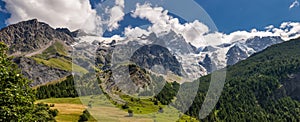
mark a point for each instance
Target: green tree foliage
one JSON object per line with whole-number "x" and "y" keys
{"x": 63, "y": 89}
{"x": 42, "y": 112}
{"x": 255, "y": 89}
{"x": 85, "y": 116}
{"x": 67, "y": 88}
{"x": 168, "y": 93}
{"x": 17, "y": 98}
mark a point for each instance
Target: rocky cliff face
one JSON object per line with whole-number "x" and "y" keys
{"x": 195, "y": 61}
{"x": 28, "y": 36}
{"x": 137, "y": 80}
{"x": 158, "y": 59}
{"x": 231, "y": 53}
{"x": 208, "y": 64}
{"x": 235, "y": 54}
{"x": 291, "y": 86}
{"x": 76, "y": 33}
{"x": 241, "y": 51}
{"x": 186, "y": 54}
{"x": 258, "y": 44}
{"x": 39, "y": 73}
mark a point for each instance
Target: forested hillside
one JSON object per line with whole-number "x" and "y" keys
{"x": 69, "y": 88}
{"x": 265, "y": 87}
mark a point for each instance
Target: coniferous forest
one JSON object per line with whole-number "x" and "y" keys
{"x": 261, "y": 88}
{"x": 69, "y": 88}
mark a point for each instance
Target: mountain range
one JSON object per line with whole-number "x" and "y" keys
{"x": 262, "y": 82}
{"x": 43, "y": 53}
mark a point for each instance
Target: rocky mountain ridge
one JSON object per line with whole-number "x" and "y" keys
{"x": 27, "y": 36}
{"x": 26, "y": 40}
{"x": 39, "y": 73}
{"x": 196, "y": 61}
{"x": 229, "y": 54}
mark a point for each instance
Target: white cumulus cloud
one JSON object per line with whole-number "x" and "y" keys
{"x": 73, "y": 14}
{"x": 269, "y": 27}
{"x": 120, "y": 3}
{"x": 162, "y": 23}
{"x": 199, "y": 34}
{"x": 135, "y": 32}
{"x": 294, "y": 4}
{"x": 116, "y": 14}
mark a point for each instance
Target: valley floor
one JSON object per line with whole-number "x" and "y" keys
{"x": 102, "y": 110}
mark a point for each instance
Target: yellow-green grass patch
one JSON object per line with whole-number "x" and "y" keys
{"x": 61, "y": 63}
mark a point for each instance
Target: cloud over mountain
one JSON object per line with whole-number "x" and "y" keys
{"x": 116, "y": 14}
{"x": 78, "y": 14}
{"x": 162, "y": 22}
{"x": 58, "y": 13}
{"x": 198, "y": 33}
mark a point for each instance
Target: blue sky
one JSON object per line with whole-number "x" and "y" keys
{"x": 3, "y": 15}
{"x": 233, "y": 15}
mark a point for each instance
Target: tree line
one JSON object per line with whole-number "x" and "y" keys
{"x": 73, "y": 86}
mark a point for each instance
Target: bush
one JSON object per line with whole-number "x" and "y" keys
{"x": 125, "y": 106}
{"x": 155, "y": 102}
{"x": 85, "y": 116}
{"x": 52, "y": 105}
{"x": 53, "y": 112}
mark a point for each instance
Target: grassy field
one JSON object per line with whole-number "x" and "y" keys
{"x": 144, "y": 111}
{"x": 69, "y": 108}
{"x": 61, "y": 63}
{"x": 57, "y": 47}
{"x": 102, "y": 110}
{"x": 47, "y": 57}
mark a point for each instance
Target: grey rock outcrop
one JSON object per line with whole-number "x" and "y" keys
{"x": 150, "y": 56}
{"x": 27, "y": 36}
{"x": 39, "y": 73}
